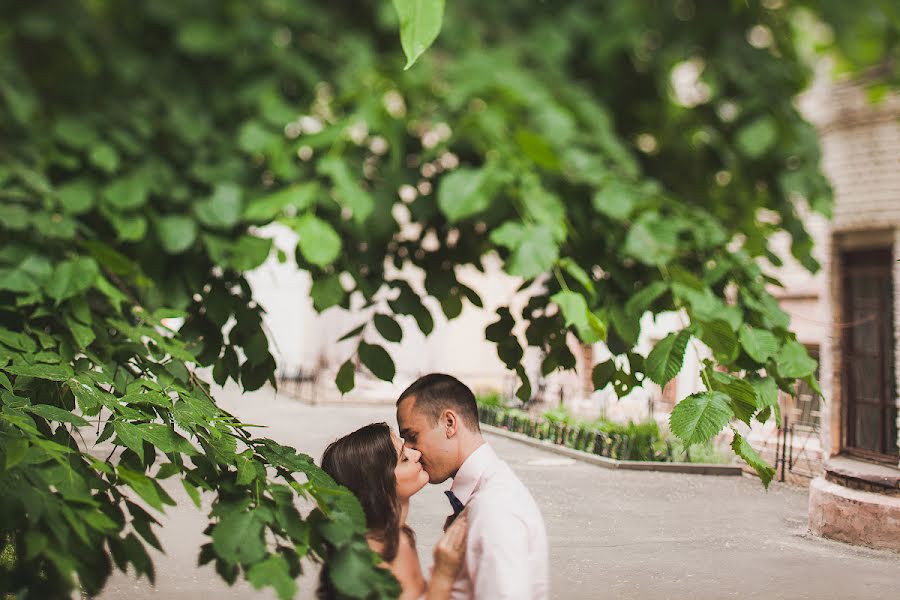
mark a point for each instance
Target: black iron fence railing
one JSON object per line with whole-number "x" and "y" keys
{"x": 616, "y": 445}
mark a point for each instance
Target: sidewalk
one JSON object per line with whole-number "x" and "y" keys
{"x": 613, "y": 534}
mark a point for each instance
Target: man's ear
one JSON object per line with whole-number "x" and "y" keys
{"x": 450, "y": 422}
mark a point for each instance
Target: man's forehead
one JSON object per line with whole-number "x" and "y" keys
{"x": 407, "y": 417}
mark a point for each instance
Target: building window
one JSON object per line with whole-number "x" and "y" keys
{"x": 806, "y": 408}
{"x": 870, "y": 416}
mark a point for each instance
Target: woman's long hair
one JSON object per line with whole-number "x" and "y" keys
{"x": 364, "y": 462}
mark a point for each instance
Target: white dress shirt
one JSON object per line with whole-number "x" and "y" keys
{"x": 506, "y": 546}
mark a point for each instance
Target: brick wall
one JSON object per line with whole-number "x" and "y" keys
{"x": 861, "y": 157}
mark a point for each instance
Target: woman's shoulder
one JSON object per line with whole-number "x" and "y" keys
{"x": 375, "y": 544}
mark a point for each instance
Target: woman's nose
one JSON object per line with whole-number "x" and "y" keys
{"x": 414, "y": 455}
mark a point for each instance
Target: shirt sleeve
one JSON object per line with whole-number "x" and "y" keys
{"x": 497, "y": 556}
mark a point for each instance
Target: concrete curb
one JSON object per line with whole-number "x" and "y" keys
{"x": 611, "y": 463}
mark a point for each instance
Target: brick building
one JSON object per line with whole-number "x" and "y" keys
{"x": 858, "y": 498}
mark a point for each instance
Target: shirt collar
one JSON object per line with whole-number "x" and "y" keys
{"x": 470, "y": 472}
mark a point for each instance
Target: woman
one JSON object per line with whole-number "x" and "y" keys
{"x": 373, "y": 464}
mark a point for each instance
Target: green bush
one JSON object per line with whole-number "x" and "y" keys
{"x": 622, "y": 441}
{"x": 490, "y": 399}
{"x": 560, "y": 416}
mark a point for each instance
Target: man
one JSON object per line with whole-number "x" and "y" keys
{"x": 506, "y": 547}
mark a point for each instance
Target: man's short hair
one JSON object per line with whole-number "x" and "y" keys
{"x": 436, "y": 392}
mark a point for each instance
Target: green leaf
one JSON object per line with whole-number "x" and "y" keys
{"x": 409, "y": 303}
{"x": 757, "y": 138}
{"x": 129, "y": 227}
{"x": 74, "y": 132}
{"x": 720, "y": 338}
{"x": 267, "y": 208}
{"x": 743, "y": 449}
{"x": 14, "y": 216}
{"x": 54, "y": 413}
{"x": 4, "y": 382}
{"x": 28, "y": 276}
{"x": 759, "y": 344}
{"x": 40, "y": 371}
{"x": 273, "y": 571}
{"x": 326, "y": 292}
{"x": 246, "y": 472}
{"x": 352, "y": 333}
{"x": 603, "y": 374}
{"x": 165, "y": 438}
{"x": 126, "y": 193}
{"x": 509, "y": 235}
{"x": 793, "y": 361}
{"x": 388, "y": 328}
{"x": 18, "y": 340}
{"x": 535, "y": 255}
{"x": 544, "y": 207}
{"x": 420, "y": 24}
{"x": 104, "y": 157}
{"x": 377, "y": 360}
{"x": 254, "y": 138}
{"x": 72, "y": 277}
{"x": 767, "y": 395}
{"x": 130, "y": 436}
{"x": 744, "y": 401}
{"x": 349, "y": 193}
{"x": 616, "y": 200}
{"x": 576, "y": 312}
{"x": 652, "y": 239}
{"x": 349, "y": 569}
{"x": 667, "y": 357}
{"x": 318, "y": 241}
{"x": 176, "y": 233}
{"x": 223, "y": 209}
{"x": 704, "y": 305}
{"x": 699, "y": 417}
{"x": 346, "y": 376}
{"x": 82, "y": 334}
{"x": 250, "y": 252}
{"x": 537, "y": 149}
{"x": 192, "y": 492}
{"x": 238, "y": 538}
{"x": 577, "y": 273}
{"x": 523, "y": 392}
{"x": 462, "y": 194}
{"x": 21, "y": 102}
{"x": 145, "y": 487}
{"x": 76, "y": 197}
{"x": 15, "y": 450}
{"x": 643, "y": 299}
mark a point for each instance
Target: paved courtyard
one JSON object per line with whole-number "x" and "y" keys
{"x": 613, "y": 534}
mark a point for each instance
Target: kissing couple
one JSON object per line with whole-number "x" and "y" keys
{"x": 494, "y": 545}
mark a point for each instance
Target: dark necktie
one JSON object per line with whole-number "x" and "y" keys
{"x": 457, "y": 508}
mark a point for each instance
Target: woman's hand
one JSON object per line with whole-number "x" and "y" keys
{"x": 450, "y": 550}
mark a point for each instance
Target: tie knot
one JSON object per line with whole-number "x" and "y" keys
{"x": 454, "y": 502}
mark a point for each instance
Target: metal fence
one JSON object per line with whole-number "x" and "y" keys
{"x": 620, "y": 446}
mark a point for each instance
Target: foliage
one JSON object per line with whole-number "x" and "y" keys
{"x": 492, "y": 399}
{"x": 132, "y": 174}
{"x": 623, "y": 441}
{"x": 619, "y": 157}
{"x": 863, "y": 39}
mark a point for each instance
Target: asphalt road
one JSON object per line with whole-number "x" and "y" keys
{"x": 613, "y": 534}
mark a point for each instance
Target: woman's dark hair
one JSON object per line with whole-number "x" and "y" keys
{"x": 364, "y": 462}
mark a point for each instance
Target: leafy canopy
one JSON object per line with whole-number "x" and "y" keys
{"x": 616, "y": 156}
